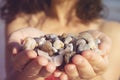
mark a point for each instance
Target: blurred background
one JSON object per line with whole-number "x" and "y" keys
{"x": 113, "y": 7}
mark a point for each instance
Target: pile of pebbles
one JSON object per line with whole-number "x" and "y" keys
{"x": 59, "y": 49}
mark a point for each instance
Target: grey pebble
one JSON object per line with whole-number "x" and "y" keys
{"x": 68, "y": 40}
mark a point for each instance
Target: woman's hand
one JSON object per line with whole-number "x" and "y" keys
{"x": 27, "y": 64}
{"x": 88, "y": 65}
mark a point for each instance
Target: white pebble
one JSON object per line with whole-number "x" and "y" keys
{"x": 44, "y": 54}
{"x": 57, "y": 60}
{"x": 58, "y": 44}
{"x": 29, "y": 43}
{"x": 41, "y": 41}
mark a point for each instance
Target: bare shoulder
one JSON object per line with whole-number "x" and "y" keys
{"x": 18, "y": 23}
{"x": 22, "y": 21}
{"x": 112, "y": 29}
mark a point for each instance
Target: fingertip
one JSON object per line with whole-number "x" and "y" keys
{"x": 42, "y": 61}
{"x": 50, "y": 67}
{"x": 63, "y": 76}
{"x": 57, "y": 73}
{"x": 77, "y": 59}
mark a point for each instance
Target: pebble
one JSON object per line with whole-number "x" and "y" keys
{"x": 68, "y": 56}
{"x": 68, "y": 40}
{"x": 58, "y": 44}
{"x": 57, "y": 60}
{"x": 30, "y": 43}
{"x": 44, "y": 54}
{"x": 90, "y": 41}
{"x": 69, "y": 47}
{"x": 59, "y": 49}
{"x": 51, "y": 37}
{"x": 81, "y": 42}
{"x": 41, "y": 41}
{"x": 47, "y": 47}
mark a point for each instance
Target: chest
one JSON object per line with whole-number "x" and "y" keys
{"x": 52, "y": 26}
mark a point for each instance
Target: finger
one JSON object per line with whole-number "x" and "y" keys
{"x": 21, "y": 59}
{"x": 57, "y": 73}
{"x": 105, "y": 48}
{"x": 50, "y": 67}
{"x": 105, "y": 44}
{"x": 47, "y": 70}
{"x": 14, "y": 42}
{"x": 84, "y": 68}
{"x": 96, "y": 61}
{"x": 34, "y": 67}
{"x": 64, "y": 76}
{"x": 72, "y": 72}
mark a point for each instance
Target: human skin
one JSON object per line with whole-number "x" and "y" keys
{"x": 88, "y": 64}
{"x": 59, "y": 26}
{"x": 21, "y": 57}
